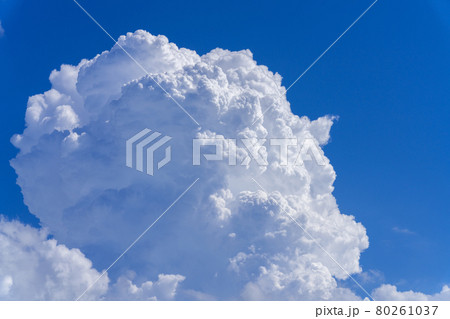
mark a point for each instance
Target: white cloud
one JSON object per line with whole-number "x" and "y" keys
{"x": 33, "y": 267}
{"x": 2, "y": 31}
{"x": 390, "y": 292}
{"x": 226, "y": 238}
{"x": 165, "y": 288}
{"x": 72, "y": 173}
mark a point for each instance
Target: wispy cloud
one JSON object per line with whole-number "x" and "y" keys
{"x": 371, "y": 276}
{"x": 2, "y": 31}
{"x": 403, "y": 231}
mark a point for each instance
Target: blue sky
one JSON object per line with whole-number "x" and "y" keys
{"x": 387, "y": 80}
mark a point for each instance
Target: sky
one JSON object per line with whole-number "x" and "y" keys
{"x": 387, "y": 81}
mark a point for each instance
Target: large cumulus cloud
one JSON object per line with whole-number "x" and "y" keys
{"x": 227, "y": 238}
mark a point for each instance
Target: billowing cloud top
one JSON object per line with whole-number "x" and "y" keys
{"x": 226, "y": 239}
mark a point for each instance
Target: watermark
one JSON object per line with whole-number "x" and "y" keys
{"x": 285, "y": 151}
{"x": 140, "y": 151}
{"x": 141, "y": 148}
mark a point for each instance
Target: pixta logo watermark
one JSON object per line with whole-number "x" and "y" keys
{"x": 141, "y": 149}
{"x": 286, "y": 151}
